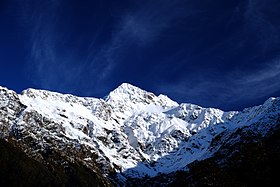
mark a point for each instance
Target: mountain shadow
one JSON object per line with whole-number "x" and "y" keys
{"x": 252, "y": 161}
{"x": 17, "y": 169}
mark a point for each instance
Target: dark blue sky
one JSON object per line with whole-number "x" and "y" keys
{"x": 222, "y": 53}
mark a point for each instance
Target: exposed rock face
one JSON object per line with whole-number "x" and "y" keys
{"x": 253, "y": 160}
{"x": 34, "y": 154}
{"x": 130, "y": 135}
{"x": 17, "y": 169}
{"x": 10, "y": 108}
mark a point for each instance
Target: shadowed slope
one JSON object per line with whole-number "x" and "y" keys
{"x": 17, "y": 169}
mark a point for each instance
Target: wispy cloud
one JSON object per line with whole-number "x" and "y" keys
{"x": 137, "y": 27}
{"x": 260, "y": 83}
{"x": 146, "y": 23}
{"x": 52, "y": 67}
{"x": 236, "y": 87}
{"x": 258, "y": 21}
{"x": 51, "y": 64}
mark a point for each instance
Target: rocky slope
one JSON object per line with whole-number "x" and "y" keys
{"x": 129, "y": 135}
{"x": 253, "y": 160}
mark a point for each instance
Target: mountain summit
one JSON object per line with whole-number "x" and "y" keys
{"x": 129, "y": 93}
{"x": 130, "y": 135}
{"x": 127, "y": 89}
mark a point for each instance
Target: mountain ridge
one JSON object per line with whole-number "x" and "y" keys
{"x": 131, "y": 133}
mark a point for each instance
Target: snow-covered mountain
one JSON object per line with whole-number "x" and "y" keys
{"x": 131, "y": 133}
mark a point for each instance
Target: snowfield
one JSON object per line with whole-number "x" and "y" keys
{"x": 134, "y": 132}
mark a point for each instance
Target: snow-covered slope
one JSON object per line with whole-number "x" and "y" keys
{"x": 131, "y": 132}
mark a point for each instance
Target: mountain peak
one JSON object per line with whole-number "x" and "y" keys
{"x": 125, "y": 91}
{"x": 126, "y": 85}
{"x": 127, "y": 94}
{"x": 127, "y": 88}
